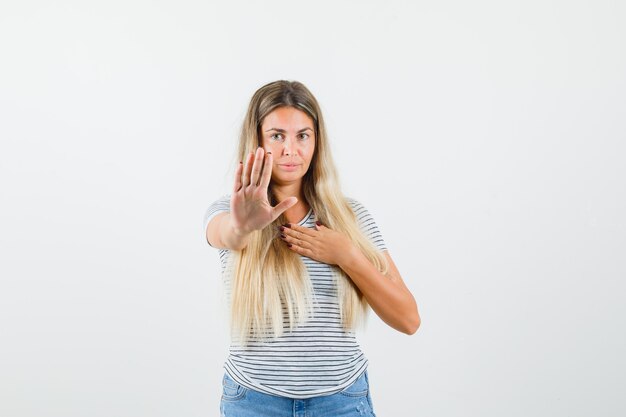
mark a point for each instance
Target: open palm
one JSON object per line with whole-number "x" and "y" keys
{"x": 249, "y": 207}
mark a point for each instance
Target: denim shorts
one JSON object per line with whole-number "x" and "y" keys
{"x": 239, "y": 401}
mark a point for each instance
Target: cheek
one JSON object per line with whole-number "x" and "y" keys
{"x": 309, "y": 152}
{"x": 268, "y": 146}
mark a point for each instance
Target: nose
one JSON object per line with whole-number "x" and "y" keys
{"x": 289, "y": 148}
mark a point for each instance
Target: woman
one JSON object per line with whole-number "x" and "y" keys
{"x": 301, "y": 263}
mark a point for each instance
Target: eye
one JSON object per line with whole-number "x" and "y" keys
{"x": 274, "y": 136}
{"x": 304, "y": 135}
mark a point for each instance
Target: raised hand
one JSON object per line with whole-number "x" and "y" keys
{"x": 249, "y": 207}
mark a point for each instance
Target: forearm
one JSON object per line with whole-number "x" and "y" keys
{"x": 390, "y": 300}
{"x": 230, "y": 237}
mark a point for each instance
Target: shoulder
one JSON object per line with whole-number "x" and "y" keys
{"x": 221, "y": 205}
{"x": 354, "y": 203}
{"x": 357, "y": 207}
{"x": 367, "y": 223}
{"x": 224, "y": 197}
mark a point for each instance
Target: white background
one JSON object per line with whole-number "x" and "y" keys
{"x": 487, "y": 139}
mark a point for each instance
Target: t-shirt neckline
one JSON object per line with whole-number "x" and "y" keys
{"x": 306, "y": 217}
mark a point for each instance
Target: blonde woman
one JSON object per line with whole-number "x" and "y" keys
{"x": 301, "y": 263}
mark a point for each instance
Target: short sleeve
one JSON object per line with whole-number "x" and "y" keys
{"x": 367, "y": 224}
{"x": 221, "y": 205}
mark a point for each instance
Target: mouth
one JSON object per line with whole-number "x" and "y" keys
{"x": 289, "y": 167}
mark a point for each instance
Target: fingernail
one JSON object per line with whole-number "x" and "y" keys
{"x": 289, "y": 244}
{"x": 269, "y": 153}
{"x": 281, "y": 228}
{"x": 317, "y": 222}
{"x": 287, "y": 225}
{"x": 283, "y": 236}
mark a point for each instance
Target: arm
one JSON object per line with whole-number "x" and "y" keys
{"x": 221, "y": 233}
{"x": 388, "y": 296}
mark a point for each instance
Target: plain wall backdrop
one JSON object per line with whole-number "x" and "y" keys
{"x": 487, "y": 139}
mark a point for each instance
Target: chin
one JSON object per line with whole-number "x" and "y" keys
{"x": 287, "y": 178}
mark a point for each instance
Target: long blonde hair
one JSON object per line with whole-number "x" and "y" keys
{"x": 266, "y": 275}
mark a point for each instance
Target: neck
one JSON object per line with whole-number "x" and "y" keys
{"x": 295, "y": 213}
{"x": 283, "y": 191}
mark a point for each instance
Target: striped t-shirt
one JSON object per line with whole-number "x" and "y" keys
{"x": 318, "y": 357}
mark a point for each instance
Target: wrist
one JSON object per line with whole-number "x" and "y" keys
{"x": 235, "y": 237}
{"x": 239, "y": 232}
{"x": 351, "y": 255}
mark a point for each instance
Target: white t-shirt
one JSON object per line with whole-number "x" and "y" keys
{"x": 316, "y": 358}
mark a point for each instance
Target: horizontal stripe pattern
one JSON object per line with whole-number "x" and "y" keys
{"x": 318, "y": 357}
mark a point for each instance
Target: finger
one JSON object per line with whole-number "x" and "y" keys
{"x": 267, "y": 171}
{"x": 302, "y": 251}
{"x": 238, "y": 172}
{"x": 293, "y": 236}
{"x": 301, "y": 230}
{"x": 246, "y": 175}
{"x": 256, "y": 166}
{"x": 283, "y": 206}
{"x": 301, "y": 240}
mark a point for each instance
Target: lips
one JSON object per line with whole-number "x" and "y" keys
{"x": 289, "y": 167}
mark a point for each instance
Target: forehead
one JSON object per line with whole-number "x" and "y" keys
{"x": 283, "y": 117}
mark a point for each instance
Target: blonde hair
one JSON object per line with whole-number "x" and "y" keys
{"x": 267, "y": 276}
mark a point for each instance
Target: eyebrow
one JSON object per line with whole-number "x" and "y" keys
{"x": 283, "y": 130}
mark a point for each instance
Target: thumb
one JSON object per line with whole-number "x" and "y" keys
{"x": 284, "y": 206}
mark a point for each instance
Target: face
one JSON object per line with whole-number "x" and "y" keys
{"x": 289, "y": 134}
